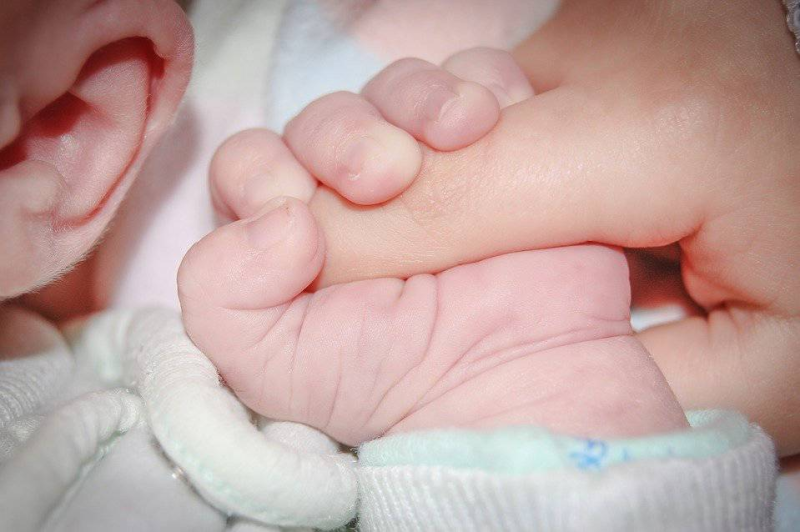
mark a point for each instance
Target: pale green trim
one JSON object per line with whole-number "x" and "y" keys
{"x": 528, "y": 449}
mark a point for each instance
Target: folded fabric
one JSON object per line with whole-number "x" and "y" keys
{"x": 288, "y": 475}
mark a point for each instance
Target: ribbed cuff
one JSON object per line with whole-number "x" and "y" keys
{"x": 730, "y": 490}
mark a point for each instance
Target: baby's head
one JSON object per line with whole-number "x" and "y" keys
{"x": 86, "y": 89}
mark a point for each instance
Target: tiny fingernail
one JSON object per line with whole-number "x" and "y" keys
{"x": 502, "y": 95}
{"x": 358, "y": 155}
{"x": 256, "y": 191}
{"x": 520, "y": 92}
{"x": 271, "y": 225}
{"x": 439, "y": 102}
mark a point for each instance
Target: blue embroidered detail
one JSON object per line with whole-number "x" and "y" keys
{"x": 592, "y": 455}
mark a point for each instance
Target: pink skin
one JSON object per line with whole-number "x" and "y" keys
{"x": 363, "y": 146}
{"x": 435, "y": 106}
{"x": 87, "y": 89}
{"x": 537, "y": 337}
{"x": 528, "y": 338}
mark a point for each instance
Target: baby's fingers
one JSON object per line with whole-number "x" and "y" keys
{"x": 494, "y": 69}
{"x": 248, "y": 270}
{"x": 436, "y": 107}
{"x": 343, "y": 140}
{"x": 451, "y": 107}
{"x": 252, "y": 168}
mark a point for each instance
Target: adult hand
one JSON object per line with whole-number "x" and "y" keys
{"x": 654, "y": 123}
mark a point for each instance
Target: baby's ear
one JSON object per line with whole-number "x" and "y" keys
{"x": 83, "y": 136}
{"x": 92, "y": 133}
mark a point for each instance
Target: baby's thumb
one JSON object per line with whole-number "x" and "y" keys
{"x": 247, "y": 268}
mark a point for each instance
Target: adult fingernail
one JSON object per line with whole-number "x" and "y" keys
{"x": 271, "y": 225}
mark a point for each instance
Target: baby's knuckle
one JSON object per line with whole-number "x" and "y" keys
{"x": 407, "y": 63}
{"x": 323, "y": 107}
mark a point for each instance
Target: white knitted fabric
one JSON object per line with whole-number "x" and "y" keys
{"x": 199, "y": 423}
{"x": 204, "y": 429}
{"x": 34, "y": 365}
{"x": 52, "y": 462}
{"x": 730, "y": 492}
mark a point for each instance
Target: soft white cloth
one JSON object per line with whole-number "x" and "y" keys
{"x": 51, "y": 463}
{"x": 209, "y": 434}
{"x": 730, "y": 491}
{"x": 34, "y": 364}
{"x": 201, "y": 445}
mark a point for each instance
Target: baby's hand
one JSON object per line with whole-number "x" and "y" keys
{"x": 528, "y": 338}
{"x": 536, "y": 337}
{"x": 369, "y": 147}
{"x": 644, "y": 134}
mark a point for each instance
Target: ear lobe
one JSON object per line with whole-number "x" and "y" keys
{"x": 91, "y": 134}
